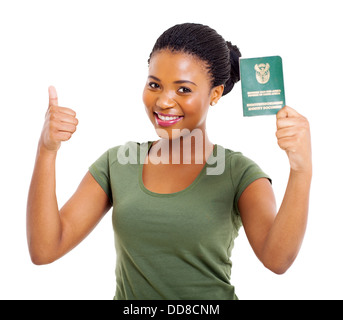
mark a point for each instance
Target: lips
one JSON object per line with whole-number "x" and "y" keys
{"x": 166, "y": 120}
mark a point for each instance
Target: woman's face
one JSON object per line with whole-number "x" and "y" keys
{"x": 178, "y": 93}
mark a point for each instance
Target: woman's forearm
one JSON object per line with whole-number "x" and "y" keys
{"x": 43, "y": 221}
{"x": 287, "y": 232}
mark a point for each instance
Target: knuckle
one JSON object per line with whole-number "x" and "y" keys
{"x": 52, "y": 109}
{"x": 53, "y": 115}
{"x": 281, "y": 145}
{"x": 306, "y": 124}
{"x": 303, "y": 130}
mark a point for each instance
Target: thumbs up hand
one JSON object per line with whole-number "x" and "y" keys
{"x": 293, "y": 134}
{"x": 60, "y": 124}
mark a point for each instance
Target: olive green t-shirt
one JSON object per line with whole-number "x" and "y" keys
{"x": 177, "y": 245}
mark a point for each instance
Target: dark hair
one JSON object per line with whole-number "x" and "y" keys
{"x": 221, "y": 57}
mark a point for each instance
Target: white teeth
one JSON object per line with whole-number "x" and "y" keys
{"x": 166, "y": 118}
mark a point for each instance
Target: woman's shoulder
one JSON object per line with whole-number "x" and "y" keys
{"x": 230, "y": 153}
{"x": 239, "y": 165}
{"x": 129, "y": 151}
{"x": 128, "y": 146}
{"x": 236, "y": 159}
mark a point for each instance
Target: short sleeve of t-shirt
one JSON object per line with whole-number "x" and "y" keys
{"x": 100, "y": 170}
{"x": 243, "y": 172}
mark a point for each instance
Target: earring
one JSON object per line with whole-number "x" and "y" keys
{"x": 213, "y": 103}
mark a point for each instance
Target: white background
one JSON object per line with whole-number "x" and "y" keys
{"x": 95, "y": 53}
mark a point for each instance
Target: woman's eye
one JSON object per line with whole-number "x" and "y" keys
{"x": 184, "y": 90}
{"x": 153, "y": 85}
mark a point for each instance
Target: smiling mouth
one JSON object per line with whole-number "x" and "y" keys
{"x": 166, "y": 120}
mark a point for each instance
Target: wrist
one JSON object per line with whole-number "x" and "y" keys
{"x": 42, "y": 150}
{"x": 301, "y": 166}
{"x": 305, "y": 173}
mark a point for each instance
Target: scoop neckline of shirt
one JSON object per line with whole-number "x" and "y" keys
{"x": 162, "y": 195}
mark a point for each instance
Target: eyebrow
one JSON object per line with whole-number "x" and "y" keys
{"x": 178, "y": 81}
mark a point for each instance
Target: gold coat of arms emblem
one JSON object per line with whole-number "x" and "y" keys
{"x": 262, "y": 73}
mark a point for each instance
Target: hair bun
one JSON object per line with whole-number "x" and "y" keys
{"x": 235, "y": 54}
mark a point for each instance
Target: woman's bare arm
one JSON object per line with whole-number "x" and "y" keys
{"x": 276, "y": 238}
{"x": 52, "y": 232}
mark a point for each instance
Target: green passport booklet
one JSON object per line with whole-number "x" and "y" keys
{"x": 263, "y": 90}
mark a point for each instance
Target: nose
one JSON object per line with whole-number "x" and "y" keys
{"x": 165, "y": 100}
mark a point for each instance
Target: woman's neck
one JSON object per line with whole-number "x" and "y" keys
{"x": 192, "y": 148}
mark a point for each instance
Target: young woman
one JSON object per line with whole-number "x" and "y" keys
{"x": 174, "y": 220}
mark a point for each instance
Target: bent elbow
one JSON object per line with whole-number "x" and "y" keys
{"x": 279, "y": 270}
{"x": 39, "y": 258}
{"x": 40, "y": 261}
{"x": 278, "y": 266}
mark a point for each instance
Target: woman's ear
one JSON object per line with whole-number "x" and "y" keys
{"x": 216, "y": 94}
